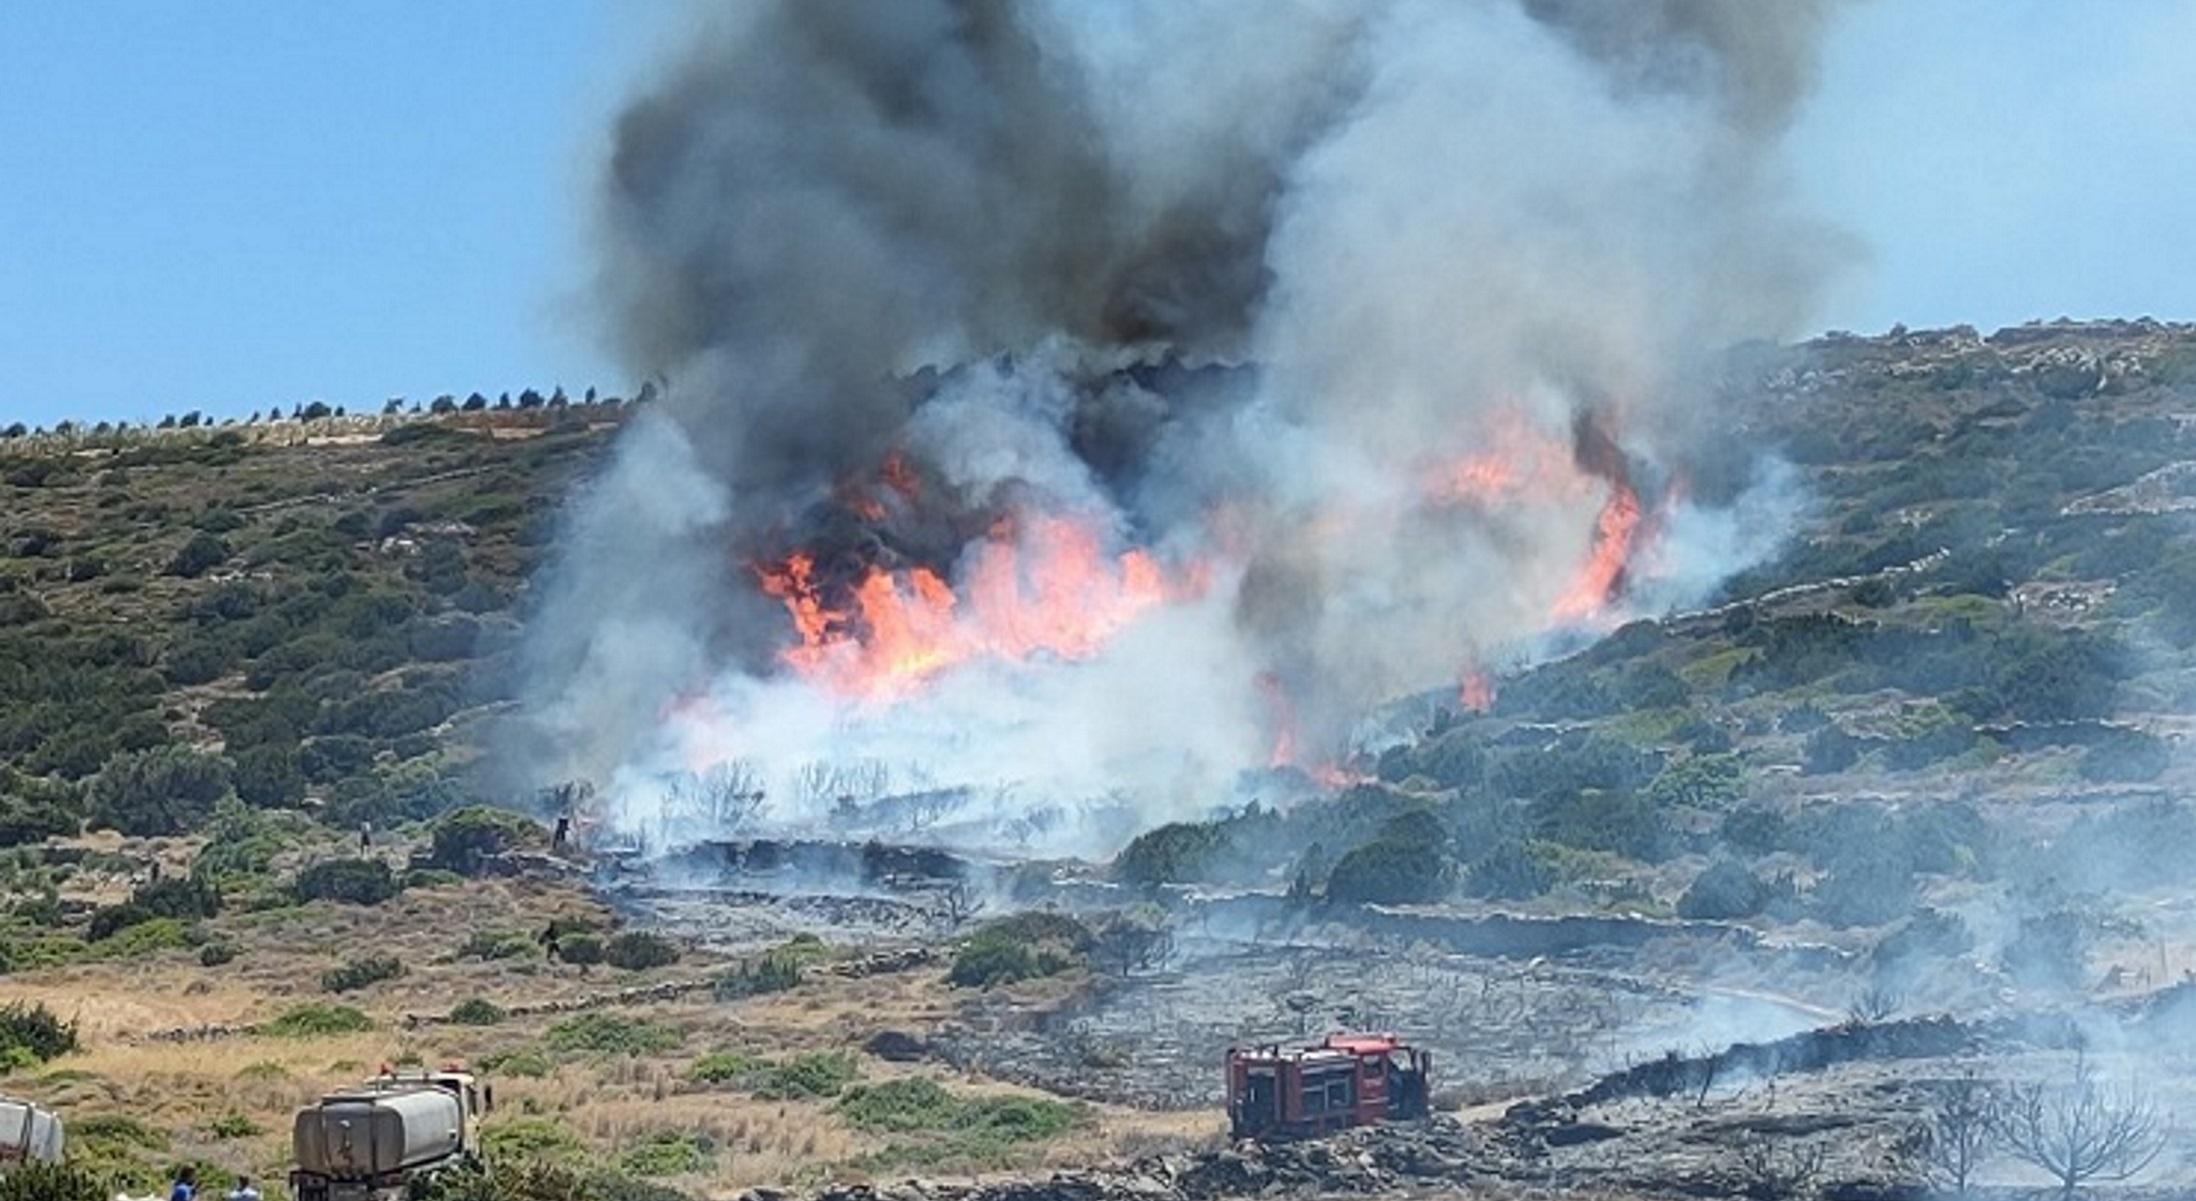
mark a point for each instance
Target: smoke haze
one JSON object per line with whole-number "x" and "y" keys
{"x": 1280, "y": 305}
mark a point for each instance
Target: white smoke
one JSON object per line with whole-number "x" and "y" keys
{"x": 1018, "y": 245}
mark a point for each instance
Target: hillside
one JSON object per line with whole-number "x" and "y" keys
{"x": 1928, "y": 756}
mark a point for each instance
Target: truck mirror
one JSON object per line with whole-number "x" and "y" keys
{"x": 487, "y": 1097}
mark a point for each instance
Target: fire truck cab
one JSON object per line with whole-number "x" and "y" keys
{"x": 1347, "y": 1080}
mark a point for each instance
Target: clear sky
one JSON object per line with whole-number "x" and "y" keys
{"x": 240, "y": 204}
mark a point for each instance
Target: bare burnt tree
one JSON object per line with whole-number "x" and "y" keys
{"x": 1959, "y": 1132}
{"x": 2080, "y": 1131}
{"x": 1133, "y": 941}
{"x": 1873, "y": 1004}
{"x": 843, "y": 784}
{"x": 565, "y": 797}
{"x": 1774, "y": 1169}
{"x": 727, "y": 796}
{"x": 960, "y": 901}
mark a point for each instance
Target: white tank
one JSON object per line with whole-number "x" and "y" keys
{"x": 355, "y": 1136}
{"x": 28, "y": 1133}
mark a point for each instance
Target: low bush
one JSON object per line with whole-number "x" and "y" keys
{"x": 352, "y": 881}
{"x": 639, "y": 950}
{"x": 777, "y": 970}
{"x": 496, "y": 944}
{"x": 356, "y": 974}
{"x": 317, "y": 1019}
{"x": 234, "y": 1125}
{"x": 817, "y": 1074}
{"x": 991, "y": 958}
{"x": 947, "y": 1127}
{"x": 476, "y": 1011}
{"x": 1724, "y": 892}
{"x": 463, "y": 837}
{"x": 534, "y": 1138}
{"x": 668, "y": 1153}
{"x": 67, "y": 1181}
{"x": 723, "y": 1067}
{"x": 524, "y": 1062}
{"x": 609, "y": 1034}
{"x": 36, "y": 1030}
{"x": 579, "y": 949}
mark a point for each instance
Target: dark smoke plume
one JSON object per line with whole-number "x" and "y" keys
{"x": 1224, "y": 280}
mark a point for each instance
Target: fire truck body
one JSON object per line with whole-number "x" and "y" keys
{"x": 1347, "y": 1080}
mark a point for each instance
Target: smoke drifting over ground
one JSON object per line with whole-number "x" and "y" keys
{"x": 1107, "y": 398}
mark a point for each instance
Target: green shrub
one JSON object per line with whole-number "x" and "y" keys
{"x": 36, "y": 1030}
{"x": 530, "y": 1138}
{"x": 667, "y": 1153}
{"x": 353, "y": 881}
{"x": 476, "y": 1011}
{"x": 163, "y": 791}
{"x": 723, "y": 1067}
{"x": 317, "y": 1019}
{"x": 899, "y": 1106}
{"x": 214, "y": 954}
{"x": 1724, "y": 892}
{"x": 187, "y": 899}
{"x": 234, "y": 1125}
{"x": 1392, "y": 871}
{"x": 525, "y": 1061}
{"x": 201, "y": 554}
{"x": 817, "y": 1074}
{"x": 992, "y": 957}
{"x": 639, "y": 950}
{"x": 1510, "y": 870}
{"x": 360, "y": 973}
{"x": 610, "y": 1034}
{"x": 67, "y": 1181}
{"x": 1176, "y": 853}
{"x": 463, "y": 837}
{"x": 917, "y": 1105}
{"x": 146, "y": 937}
{"x": 580, "y": 949}
{"x": 496, "y": 944}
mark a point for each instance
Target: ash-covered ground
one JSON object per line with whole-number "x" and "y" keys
{"x": 1511, "y": 1006}
{"x": 1632, "y": 1055}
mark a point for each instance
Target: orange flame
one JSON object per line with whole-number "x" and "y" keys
{"x": 1477, "y": 691}
{"x": 1038, "y": 585}
{"x": 1615, "y": 531}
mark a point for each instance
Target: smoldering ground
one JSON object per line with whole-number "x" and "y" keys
{"x": 1224, "y": 284}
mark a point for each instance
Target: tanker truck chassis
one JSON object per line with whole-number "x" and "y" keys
{"x": 372, "y": 1142}
{"x": 29, "y": 1133}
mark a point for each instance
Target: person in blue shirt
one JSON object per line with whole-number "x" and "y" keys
{"x": 186, "y": 1184}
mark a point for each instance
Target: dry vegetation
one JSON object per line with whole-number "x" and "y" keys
{"x": 182, "y": 1048}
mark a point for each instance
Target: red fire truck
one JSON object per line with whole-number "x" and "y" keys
{"x": 1347, "y": 1080}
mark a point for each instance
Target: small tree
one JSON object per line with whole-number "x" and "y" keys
{"x": 1959, "y": 1132}
{"x": 1131, "y": 941}
{"x": 2081, "y": 1131}
{"x": 166, "y": 790}
{"x": 464, "y": 837}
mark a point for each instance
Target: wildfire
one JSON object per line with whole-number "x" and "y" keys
{"x": 1040, "y": 584}
{"x": 1616, "y": 531}
{"x": 1037, "y": 585}
{"x": 1477, "y": 691}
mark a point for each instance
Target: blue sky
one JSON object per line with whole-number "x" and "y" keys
{"x": 239, "y": 204}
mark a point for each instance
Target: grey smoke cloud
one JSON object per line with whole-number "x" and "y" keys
{"x": 1225, "y": 281}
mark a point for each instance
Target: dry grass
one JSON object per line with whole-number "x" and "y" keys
{"x": 609, "y": 1103}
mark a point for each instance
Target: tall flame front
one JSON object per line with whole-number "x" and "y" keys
{"x": 1036, "y": 585}
{"x": 1043, "y": 585}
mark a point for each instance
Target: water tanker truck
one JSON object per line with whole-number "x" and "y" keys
{"x": 28, "y": 1134}
{"x": 371, "y": 1142}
